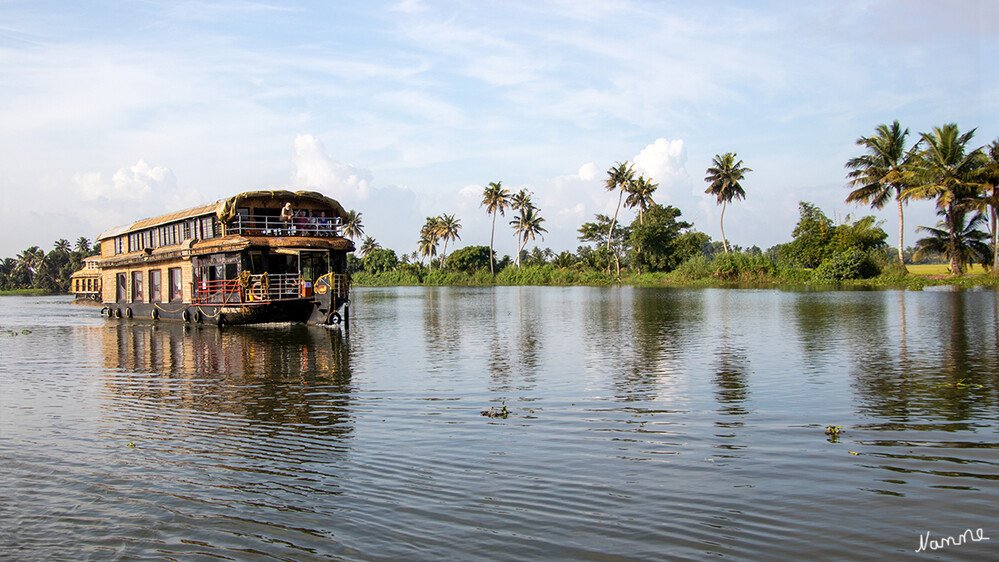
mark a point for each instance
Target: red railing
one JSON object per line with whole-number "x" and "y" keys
{"x": 262, "y": 288}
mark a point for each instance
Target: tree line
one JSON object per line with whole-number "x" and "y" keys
{"x": 942, "y": 166}
{"x": 34, "y": 269}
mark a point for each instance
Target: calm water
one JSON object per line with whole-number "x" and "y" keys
{"x": 644, "y": 424}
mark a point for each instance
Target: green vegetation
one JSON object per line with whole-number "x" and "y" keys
{"x": 35, "y": 272}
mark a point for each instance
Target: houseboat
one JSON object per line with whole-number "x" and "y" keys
{"x": 255, "y": 257}
{"x": 86, "y": 283}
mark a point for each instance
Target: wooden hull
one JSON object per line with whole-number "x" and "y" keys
{"x": 305, "y": 310}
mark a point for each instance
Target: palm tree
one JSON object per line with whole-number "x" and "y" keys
{"x": 352, "y": 226}
{"x": 879, "y": 176}
{"x": 619, "y": 177}
{"x": 495, "y": 198}
{"x": 448, "y": 227}
{"x": 62, "y": 245}
{"x": 29, "y": 261}
{"x": 947, "y": 171}
{"x": 991, "y": 178}
{"x": 83, "y": 245}
{"x": 640, "y": 195}
{"x": 723, "y": 178}
{"x": 959, "y": 240}
{"x": 369, "y": 245}
{"x": 430, "y": 234}
{"x": 527, "y": 226}
{"x": 427, "y": 247}
{"x": 520, "y": 201}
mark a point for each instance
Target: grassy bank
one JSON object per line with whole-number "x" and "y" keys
{"x": 696, "y": 273}
{"x": 27, "y": 293}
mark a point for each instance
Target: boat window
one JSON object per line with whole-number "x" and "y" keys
{"x": 154, "y": 285}
{"x": 137, "y": 286}
{"x": 121, "y": 287}
{"x": 174, "y": 278}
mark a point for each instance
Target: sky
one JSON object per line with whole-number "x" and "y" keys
{"x": 114, "y": 111}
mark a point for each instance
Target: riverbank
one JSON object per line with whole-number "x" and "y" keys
{"x": 918, "y": 277}
{"x": 28, "y": 293}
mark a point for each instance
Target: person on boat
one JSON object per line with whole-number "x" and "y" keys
{"x": 302, "y": 223}
{"x": 325, "y": 224}
{"x": 287, "y": 213}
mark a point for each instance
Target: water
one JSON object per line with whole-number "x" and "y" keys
{"x": 643, "y": 424}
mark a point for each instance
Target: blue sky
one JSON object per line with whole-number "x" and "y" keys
{"x": 115, "y": 111}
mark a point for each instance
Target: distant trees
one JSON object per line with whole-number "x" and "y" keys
{"x": 470, "y": 258}
{"x": 655, "y": 241}
{"x": 817, "y": 241}
{"x": 32, "y": 268}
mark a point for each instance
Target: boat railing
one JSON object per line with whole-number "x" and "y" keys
{"x": 264, "y": 287}
{"x": 267, "y": 225}
{"x": 341, "y": 286}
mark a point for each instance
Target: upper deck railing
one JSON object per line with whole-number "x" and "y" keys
{"x": 266, "y": 225}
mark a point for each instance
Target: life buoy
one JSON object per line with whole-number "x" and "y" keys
{"x": 197, "y": 316}
{"x": 117, "y": 313}
{"x": 106, "y": 312}
{"x": 186, "y": 315}
{"x": 155, "y": 314}
{"x": 333, "y": 318}
{"x": 128, "y": 312}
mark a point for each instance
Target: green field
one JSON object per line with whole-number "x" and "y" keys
{"x": 940, "y": 269}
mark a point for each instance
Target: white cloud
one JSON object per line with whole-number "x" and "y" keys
{"x": 315, "y": 170}
{"x": 589, "y": 172}
{"x": 137, "y": 183}
{"x": 664, "y": 162}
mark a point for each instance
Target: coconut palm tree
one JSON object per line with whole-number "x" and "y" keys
{"x": 520, "y": 201}
{"x": 448, "y": 227}
{"x": 960, "y": 240}
{"x": 723, "y": 179}
{"x": 640, "y": 195}
{"x": 879, "y": 176}
{"x": 527, "y": 226}
{"x": 427, "y": 246}
{"x": 991, "y": 179}
{"x": 619, "y": 177}
{"x": 430, "y": 235}
{"x": 29, "y": 261}
{"x": 352, "y": 226}
{"x": 369, "y": 245}
{"x": 495, "y": 198}
{"x": 62, "y": 245}
{"x": 947, "y": 171}
{"x": 83, "y": 245}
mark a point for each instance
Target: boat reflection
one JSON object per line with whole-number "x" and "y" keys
{"x": 295, "y": 375}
